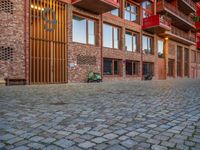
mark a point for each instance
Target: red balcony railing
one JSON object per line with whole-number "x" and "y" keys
{"x": 183, "y": 34}
{"x": 156, "y": 22}
{"x": 162, "y": 5}
{"x": 190, "y": 3}
{"x": 97, "y": 6}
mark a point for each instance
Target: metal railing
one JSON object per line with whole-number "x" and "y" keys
{"x": 183, "y": 34}
{"x": 191, "y": 3}
{"x": 163, "y": 4}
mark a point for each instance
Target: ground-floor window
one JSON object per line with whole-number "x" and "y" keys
{"x": 111, "y": 66}
{"x": 170, "y": 68}
{"x": 148, "y": 68}
{"x": 132, "y": 68}
{"x": 186, "y": 62}
{"x": 179, "y": 60}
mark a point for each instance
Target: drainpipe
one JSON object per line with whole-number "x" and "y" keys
{"x": 101, "y": 46}
{"x": 25, "y": 40}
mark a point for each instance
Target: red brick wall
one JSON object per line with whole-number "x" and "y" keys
{"x": 12, "y": 35}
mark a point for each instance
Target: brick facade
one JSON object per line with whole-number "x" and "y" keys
{"x": 15, "y": 29}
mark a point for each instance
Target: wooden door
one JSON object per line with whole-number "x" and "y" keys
{"x": 161, "y": 69}
{"x": 48, "y": 42}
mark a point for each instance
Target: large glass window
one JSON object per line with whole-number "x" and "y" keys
{"x": 147, "y": 43}
{"x": 148, "y": 69}
{"x": 111, "y": 66}
{"x": 131, "y": 41}
{"x": 147, "y": 9}
{"x": 110, "y": 36}
{"x": 132, "y": 68}
{"x": 83, "y": 30}
{"x": 160, "y": 48}
{"x": 131, "y": 12}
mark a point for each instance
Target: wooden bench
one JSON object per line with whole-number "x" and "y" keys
{"x": 15, "y": 81}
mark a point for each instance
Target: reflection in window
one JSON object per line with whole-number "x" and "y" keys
{"x": 110, "y": 36}
{"x": 147, "y": 9}
{"x": 132, "y": 68}
{"x": 131, "y": 41}
{"x": 83, "y": 30}
{"x": 115, "y": 12}
{"x": 131, "y": 12}
{"x": 111, "y": 66}
{"x": 160, "y": 48}
{"x": 147, "y": 45}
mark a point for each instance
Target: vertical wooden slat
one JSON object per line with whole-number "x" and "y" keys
{"x": 47, "y": 49}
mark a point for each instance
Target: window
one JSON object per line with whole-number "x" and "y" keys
{"x": 179, "y": 61}
{"x": 131, "y": 41}
{"x": 115, "y": 12}
{"x": 160, "y": 49}
{"x": 83, "y": 30}
{"x": 147, "y": 43}
{"x": 171, "y": 67}
{"x": 132, "y": 68}
{"x": 111, "y": 66}
{"x": 186, "y": 62}
{"x": 110, "y": 36}
{"x": 131, "y": 12}
{"x": 148, "y": 68}
{"x": 193, "y": 55}
{"x": 147, "y": 9}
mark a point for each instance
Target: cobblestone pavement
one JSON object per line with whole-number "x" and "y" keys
{"x": 139, "y": 115}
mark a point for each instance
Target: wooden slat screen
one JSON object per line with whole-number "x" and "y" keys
{"x": 48, "y": 42}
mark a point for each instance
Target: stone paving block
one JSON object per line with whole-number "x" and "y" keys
{"x": 6, "y": 137}
{"x": 14, "y": 140}
{"x": 168, "y": 144}
{"x": 99, "y": 140}
{"x": 111, "y": 136}
{"x": 64, "y": 143}
{"x": 129, "y": 143}
{"x": 21, "y": 148}
{"x": 153, "y": 141}
{"x": 132, "y": 134}
{"x": 86, "y": 144}
{"x": 2, "y": 145}
{"x": 36, "y": 138}
{"x": 116, "y": 147}
{"x": 52, "y": 147}
{"x": 35, "y": 145}
{"x": 158, "y": 147}
{"x": 48, "y": 140}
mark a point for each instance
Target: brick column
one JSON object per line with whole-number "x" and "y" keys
{"x": 166, "y": 55}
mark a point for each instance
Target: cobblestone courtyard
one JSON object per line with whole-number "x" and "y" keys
{"x": 156, "y": 115}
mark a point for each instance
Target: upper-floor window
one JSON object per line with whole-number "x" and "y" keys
{"x": 147, "y": 9}
{"x": 147, "y": 44}
{"x": 131, "y": 39}
{"x": 115, "y": 12}
{"x": 131, "y": 12}
{"x": 160, "y": 48}
{"x": 83, "y": 30}
{"x": 110, "y": 36}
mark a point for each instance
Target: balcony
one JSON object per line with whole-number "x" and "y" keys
{"x": 156, "y": 24}
{"x": 180, "y": 36}
{"x": 187, "y": 6}
{"x": 179, "y": 19}
{"x": 96, "y": 6}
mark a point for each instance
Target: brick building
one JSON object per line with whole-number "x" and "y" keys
{"x": 59, "y": 41}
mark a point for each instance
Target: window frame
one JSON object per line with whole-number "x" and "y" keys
{"x": 137, "y": 63}
{"x": 163, "y": 54}
{"x": 137, "y": 41}
{"x": 147, "y": 11}
{"x": 87, "y": 30}
{"x": 119, "y": 61}
{"x": 113, "y": 35}
{"x": 151, "y": 44}
{"x": 137, "y": 14}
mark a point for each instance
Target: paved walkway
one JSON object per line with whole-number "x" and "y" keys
{"x": 157, "y": 115}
